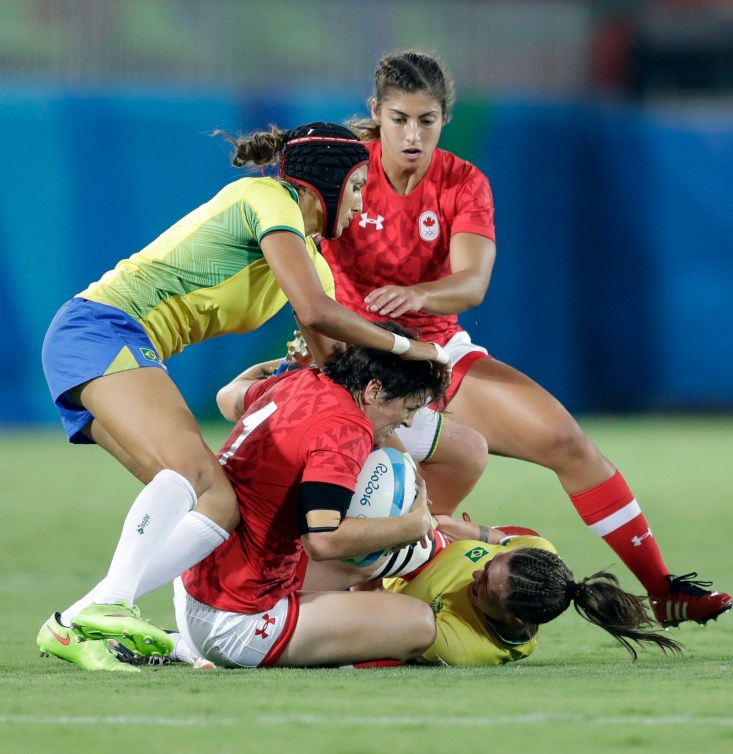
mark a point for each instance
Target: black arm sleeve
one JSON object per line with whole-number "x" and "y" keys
{"x": 322, "y": 506}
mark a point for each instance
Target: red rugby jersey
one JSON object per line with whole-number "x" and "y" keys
{"x": 404, "y": 240}
{"x": 298, "y": 427}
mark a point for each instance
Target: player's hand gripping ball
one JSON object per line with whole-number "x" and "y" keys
{"x": 385, "y": 487}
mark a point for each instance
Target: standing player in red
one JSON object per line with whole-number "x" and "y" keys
{"x": 421, "y": 252}
{"x": 293, "y": 459}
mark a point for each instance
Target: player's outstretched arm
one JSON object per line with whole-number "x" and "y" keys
{"x": 295, "y": 273}
{"x": 230, "y": 398}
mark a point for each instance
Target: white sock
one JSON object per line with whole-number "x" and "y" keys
{"x": 181, "y": 651}
{"x": 153, "y": 516}
{"x": 189, "y": 543}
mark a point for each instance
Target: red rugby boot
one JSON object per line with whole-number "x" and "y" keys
{"x": 687, "y": 599}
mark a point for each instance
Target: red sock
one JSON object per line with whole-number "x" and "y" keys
{"x": 611, "y": 511}
{"x": 370, "y": 664}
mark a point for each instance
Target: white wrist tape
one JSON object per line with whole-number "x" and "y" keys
{"x": 401, "y": 344}
{"x": 441, "y": 356}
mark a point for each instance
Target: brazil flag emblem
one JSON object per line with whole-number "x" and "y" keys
{"x": 476, "y": 554}
{"x": 150, "y": 355}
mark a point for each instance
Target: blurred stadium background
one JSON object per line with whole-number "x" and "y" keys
{"x": 605, "y": 128}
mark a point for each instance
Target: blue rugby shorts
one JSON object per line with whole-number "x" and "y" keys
{"x": 86, "y": 340}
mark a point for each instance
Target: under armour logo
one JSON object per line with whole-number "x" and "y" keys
{"x": 268, "y": 621}
{"x": 636, "y": 541}
{"x": 366, "y": 220}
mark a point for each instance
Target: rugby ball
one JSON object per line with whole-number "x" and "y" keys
{"x": 385, "y": 487}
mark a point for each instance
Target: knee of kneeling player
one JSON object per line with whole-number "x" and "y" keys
{"x": 425, "y": 630}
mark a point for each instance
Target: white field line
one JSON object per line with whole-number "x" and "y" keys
{"x": 538, "y": 718}
{"x": 112, "y": 720}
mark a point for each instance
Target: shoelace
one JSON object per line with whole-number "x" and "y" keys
{"x": 123, "y": 654}
{"x": 687, "y": 584}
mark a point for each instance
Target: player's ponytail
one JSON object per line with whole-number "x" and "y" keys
{"x": 258, "y": 148}
{"x": 542, "y": 587}
{"x": 600, "y": 600}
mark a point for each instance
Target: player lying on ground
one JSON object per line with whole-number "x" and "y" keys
{"x": 685, "y": 600}
{"x": 490, "y": 595}
{"x": 489, "y": 598}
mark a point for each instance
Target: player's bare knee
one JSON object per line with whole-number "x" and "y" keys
{"x": 198, "y": 472}
{"x": 565, "y": 443}
{"x": 220, "y": 512}
{"x": 219, "y": 503}
{"x": 424, "y": 633}
{"x": 474, "y": 453}
{"x": 463, "y": 448}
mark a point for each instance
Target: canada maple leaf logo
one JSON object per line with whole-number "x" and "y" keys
{"x": 429, "y": 226}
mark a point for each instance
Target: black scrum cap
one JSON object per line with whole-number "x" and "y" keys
{"x": 322, "y": 156}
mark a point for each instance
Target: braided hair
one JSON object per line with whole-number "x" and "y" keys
{"x": 408, "y": 71}
{"x": 541, "y": 587}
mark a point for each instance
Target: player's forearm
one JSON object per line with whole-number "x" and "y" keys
{"x": 329, "y": 318}
{"x": 356, "y": 536}
{"x": 230, "y": 398}
{"x": 322, "y": 348}
{"x": 341, "y": 324}
{"x": 455, "y": 529}
{"x": 454, "y": 294}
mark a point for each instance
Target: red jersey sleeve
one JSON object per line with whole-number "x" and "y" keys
{"x": 338, "y": 447}
{"x": 474, "y": 206}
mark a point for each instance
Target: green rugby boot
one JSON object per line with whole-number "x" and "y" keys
{"x": 124, "y": 650}
{"x": 122, "y": 622}
{"x": 68, "y": 644}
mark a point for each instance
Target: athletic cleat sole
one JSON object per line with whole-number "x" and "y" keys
{"x": 717, "y": 615}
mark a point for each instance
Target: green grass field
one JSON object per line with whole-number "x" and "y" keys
{"x": 62, "y": 508}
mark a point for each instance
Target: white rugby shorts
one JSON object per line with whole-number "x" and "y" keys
{"x": 235, "y": 640}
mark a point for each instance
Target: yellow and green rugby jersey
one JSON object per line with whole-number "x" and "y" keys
{"x": 463, "y": 636}
{"x": 206, "y": 275}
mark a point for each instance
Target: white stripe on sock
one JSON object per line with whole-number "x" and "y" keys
{"x": 616, "y": 520}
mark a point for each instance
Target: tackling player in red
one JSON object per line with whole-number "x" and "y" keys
{"x": 293, "y": 459}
